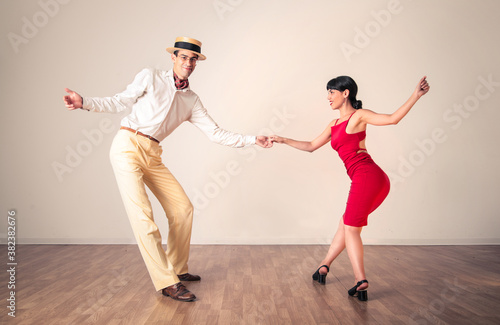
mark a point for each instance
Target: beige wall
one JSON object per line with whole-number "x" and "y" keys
{"x": 267, "y": 67}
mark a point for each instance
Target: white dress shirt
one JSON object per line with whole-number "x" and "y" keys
{"x": 158, "y": 108}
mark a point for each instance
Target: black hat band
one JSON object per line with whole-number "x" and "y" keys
{"x": 188, "y": 46}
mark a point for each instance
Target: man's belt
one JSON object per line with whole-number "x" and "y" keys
{"x": 139, "y": 133}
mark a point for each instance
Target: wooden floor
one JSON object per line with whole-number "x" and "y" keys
{"x": 84, "y": 284}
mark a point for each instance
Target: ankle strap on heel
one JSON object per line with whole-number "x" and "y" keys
{"x": 359, "y": 283}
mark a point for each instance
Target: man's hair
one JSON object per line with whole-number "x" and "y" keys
{"x": 177, "y": 51}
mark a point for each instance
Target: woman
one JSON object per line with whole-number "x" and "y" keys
{"x": 369, "y": 184}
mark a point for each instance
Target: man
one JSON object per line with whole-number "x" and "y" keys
{"x": 160, "y": 102}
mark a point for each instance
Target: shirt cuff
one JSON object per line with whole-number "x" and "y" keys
{"x": 85, "y": 107}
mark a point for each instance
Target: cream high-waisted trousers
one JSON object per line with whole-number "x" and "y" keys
{"x": 136, "y": 161}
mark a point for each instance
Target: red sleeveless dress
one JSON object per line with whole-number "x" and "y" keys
{"x": 369, "y": 184}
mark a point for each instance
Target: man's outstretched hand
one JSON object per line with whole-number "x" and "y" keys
{"x": 263, "y": 141}
{"x": 72, "y": 100}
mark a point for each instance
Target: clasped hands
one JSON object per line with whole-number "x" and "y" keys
{"x": 267, "y": 142}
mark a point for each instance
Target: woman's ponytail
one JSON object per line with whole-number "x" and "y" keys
{"x": 357, "y": 104}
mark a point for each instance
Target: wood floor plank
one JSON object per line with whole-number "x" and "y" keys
{"x": 109, "y": 284}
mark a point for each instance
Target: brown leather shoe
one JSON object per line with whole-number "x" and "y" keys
{"x": 189, "y": 277}
{"x": 178, "y": 292}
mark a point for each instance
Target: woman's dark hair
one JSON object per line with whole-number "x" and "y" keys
{"x": 342, "y": 83}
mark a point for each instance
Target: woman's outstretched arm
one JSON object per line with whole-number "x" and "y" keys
{"x": 370, "y": 117}
{"x": 309, "y": 146}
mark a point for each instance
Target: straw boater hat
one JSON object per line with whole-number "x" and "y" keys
{"x": 188, "y": 44}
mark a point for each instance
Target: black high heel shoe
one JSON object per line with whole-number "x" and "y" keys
{"x": 321, "y": 278}
{"x": 361, "y": 294}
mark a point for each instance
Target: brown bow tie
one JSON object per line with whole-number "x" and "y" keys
{"x": 180, "y": 84}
